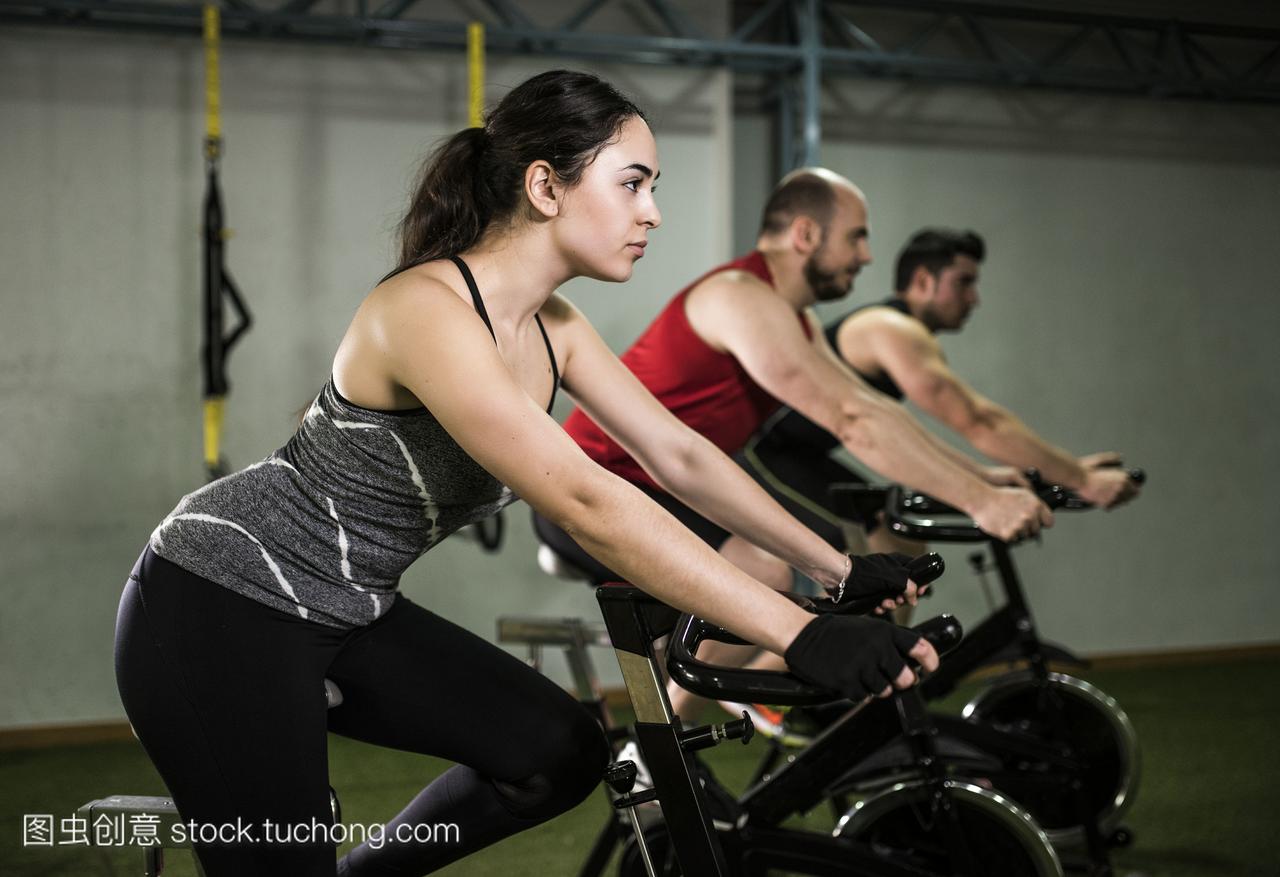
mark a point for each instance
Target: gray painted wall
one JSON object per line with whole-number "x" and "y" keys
{"x": 100, "y": 158}
{"x": 1128, "y": 303}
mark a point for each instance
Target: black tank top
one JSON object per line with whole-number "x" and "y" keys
{"x": 882, "y": 382}
{"x": 790, "y": 427}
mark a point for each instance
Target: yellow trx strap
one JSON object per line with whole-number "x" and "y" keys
{"x": 214, "y": 404}
{"x": 475, "y": 74}
{"x": 213, "y": 407}
{"x": 212, "y": 102}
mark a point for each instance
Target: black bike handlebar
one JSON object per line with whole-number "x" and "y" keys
{"x": 768, "y": 686}
{"x": 904, "y": 514}
{"x": 903, "y": 510}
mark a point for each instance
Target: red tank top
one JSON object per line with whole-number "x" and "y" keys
{"x": 708, "y": 390}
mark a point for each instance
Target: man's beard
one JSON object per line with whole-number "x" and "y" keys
{"x": 823, "y": 283}
{"x": 936, "y": 323}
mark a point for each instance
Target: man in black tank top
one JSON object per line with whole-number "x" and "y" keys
{"x": 881, "y": 380}
{"x": 892, "y": 345}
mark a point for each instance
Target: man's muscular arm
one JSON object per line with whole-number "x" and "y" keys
{"x": 736, "y": 313}
{"x": 999, "y": 475}
{"x": 912, "y": 357}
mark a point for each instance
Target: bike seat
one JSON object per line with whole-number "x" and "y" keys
{"x": 553, "y": 563}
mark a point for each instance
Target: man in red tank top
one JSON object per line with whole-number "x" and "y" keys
{"x": 743, "y": 339}
{"x": 707, "y": 388}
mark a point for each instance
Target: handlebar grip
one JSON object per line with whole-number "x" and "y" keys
{"x": 926, "y": 568}
{"x": 943, "y": 633}
{"x": 1056, "y": 496}
{"x": 1137, "y": 476}
{"x": 923, "y": 570}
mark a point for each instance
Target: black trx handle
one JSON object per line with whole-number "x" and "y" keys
{"x": 217, "y": 282}
{"x": 217, "y": 286}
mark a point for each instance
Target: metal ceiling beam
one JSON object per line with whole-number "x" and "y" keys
{"x": 987, "y": 44}
{"x": 919, "y": 40}
{"x": 387, "y": 28}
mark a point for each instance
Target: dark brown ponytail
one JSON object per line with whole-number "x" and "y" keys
{"x": 476, "y": 177}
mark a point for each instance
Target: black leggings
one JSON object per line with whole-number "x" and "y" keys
{"x": 226, "y": 696}
{"x": 798, "y": 477}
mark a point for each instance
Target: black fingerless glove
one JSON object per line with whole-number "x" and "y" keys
{"x": 872, "y": 578}
{"x": 853, "y": 655}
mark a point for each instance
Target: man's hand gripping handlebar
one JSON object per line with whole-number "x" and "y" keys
{"x": 920, "y": 517}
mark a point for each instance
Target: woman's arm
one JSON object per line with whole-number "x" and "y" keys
{"x": 435, "y": 345}
{"x": 679, "y": 459}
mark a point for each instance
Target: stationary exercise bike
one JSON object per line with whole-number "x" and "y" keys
{"x": 806, "y": 786}
{"x": 932, "y": 825}
{"x": 575, "y": 635}
{"x": 1084, "y": 778}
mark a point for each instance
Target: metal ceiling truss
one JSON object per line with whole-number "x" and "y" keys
{"x": 927, "y": 40}
{"x": 796, "y": 42}
{"x": 973, "y": 42}
{"x": 932, "y": 41}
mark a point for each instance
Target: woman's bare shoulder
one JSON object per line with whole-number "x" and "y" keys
{"x": 403, "y": 310}
{"x": 559, "y": 311}
{"x": 417, "y": 286}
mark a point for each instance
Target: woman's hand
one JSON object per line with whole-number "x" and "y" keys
{"x": 885, "y": 577}
{"x": 859, "y": 657}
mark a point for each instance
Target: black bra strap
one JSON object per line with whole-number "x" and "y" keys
{"x": 555, "y": 371}
{"x": 484, "y": 315}
{"x": 475, "y": 293}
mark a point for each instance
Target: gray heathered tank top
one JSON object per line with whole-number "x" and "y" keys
{"x": 325, "y": 526}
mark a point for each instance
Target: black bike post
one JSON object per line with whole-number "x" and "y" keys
{"x": 634, "y": 621}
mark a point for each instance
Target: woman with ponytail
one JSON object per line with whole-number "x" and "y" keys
{"x": 258, "y": 587}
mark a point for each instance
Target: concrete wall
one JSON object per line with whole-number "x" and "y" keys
{"x": 102, "y": 179}
{"x": 1128, "y": 303}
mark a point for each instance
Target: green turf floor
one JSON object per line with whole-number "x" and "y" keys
{"x": 1208, "y": 806}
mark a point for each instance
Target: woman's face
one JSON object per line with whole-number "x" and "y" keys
{"x": 605, "y": 219}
